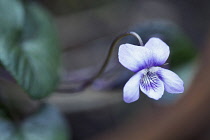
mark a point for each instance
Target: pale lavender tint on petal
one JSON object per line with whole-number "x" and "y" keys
{"x": 159, "y": 49}
{"x": 172, "y": 82}
{"x": 152, "y": 86}
{"x": 131, "y": 88}
{"x": 134, "y": 57}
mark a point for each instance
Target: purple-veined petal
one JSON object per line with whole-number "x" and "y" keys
{"x": 172, "y": 82}
{"x": 131, "y": 88}
{"x": 134, "y": 57}
{"x": 160, "y": 50}
{"x": 152, "y": 86}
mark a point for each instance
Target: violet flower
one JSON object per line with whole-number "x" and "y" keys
{"x": 150, "y": 77}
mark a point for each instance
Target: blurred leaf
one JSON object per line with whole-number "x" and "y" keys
{"x": 14, "y": 100}
{"x": 30, "y": 54}
{"x": 7, "y": 129}
{"x": 46, "y": 124}
{"x": 11, "y": 16}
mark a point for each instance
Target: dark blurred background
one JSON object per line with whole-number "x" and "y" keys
{"x": 86, "y": 30}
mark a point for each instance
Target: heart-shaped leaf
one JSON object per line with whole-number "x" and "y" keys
{"x": 11, "y": 16}
{"x": 29, "y": 52}
{"x": 46, "y": 124}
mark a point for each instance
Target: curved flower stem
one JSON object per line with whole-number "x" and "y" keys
{"x": 111, "y": 49}
{"x": 103, "y": 67}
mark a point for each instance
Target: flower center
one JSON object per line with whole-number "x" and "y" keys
{"x": 149, "y": 80}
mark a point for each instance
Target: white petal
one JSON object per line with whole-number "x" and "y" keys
{"x": 131, "y": 88}
{"x": 172, "y": 82}
{"x": 134, "y": 57}
{"x": 153, "y": 88}
{"x": 159, "y": 49}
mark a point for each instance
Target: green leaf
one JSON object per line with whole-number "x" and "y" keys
{"x": 11, "y": 16}
{"x": 7, "y": 129}
{"x": 31, "y": 53}
{"x": 46, "y": 124}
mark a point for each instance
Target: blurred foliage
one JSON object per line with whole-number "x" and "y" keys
{"x": 29, "y": 46}
{"x": 181, "y": 47}
{"x": 45, "y": 124}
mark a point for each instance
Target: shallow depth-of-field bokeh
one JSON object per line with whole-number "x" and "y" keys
{"x": 51, "y": 49}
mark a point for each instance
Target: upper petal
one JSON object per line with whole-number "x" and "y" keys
{"x": 152, "y": 86}
{"x": 160, "y": 50}
{"x": 131, "y": 88}
{"x": 134, "y": 57}
{"x": 172, "y": 82}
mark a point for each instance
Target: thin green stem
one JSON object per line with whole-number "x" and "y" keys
{"x": 111, "y": 49}
{"x": 103, "y": 67}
